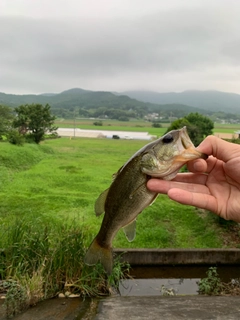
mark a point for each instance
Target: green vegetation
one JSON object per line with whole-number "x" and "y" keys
{"x": 33, "y": 121}
{"x": 47, "y": 221}
{"x": 198, "y": 126}
{"x": 6, "y": 116}
{"x": 62, "y": 178}
{"x": 213, "y": 285}
{"x": 43, "y": 256}
{"x": 79, "y": 103}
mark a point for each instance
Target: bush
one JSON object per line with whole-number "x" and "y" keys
{"x": 156, "y": 125}
{"x": 14, "y": 137}
{"x": 98, "y": 123}
{"x": 123, "y": 118}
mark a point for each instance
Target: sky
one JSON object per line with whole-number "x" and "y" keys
{"x": 119, "y": 45}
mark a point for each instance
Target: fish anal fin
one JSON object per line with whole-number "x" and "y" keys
{"x": 130, "y": 230}
{"x": 97, "y": 253}
{"x": 100, "y": 203}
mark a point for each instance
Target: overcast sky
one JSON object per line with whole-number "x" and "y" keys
{"x": 119, "y": 45}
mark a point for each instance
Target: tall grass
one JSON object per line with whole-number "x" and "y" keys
{"x": 42, "y": 257}
{"x": 43, "y": 237}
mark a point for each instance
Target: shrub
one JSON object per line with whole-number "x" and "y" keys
{"x": 14, "y": 137}
{"x": 98, "y": 123}
{"x": 156, "y": 125}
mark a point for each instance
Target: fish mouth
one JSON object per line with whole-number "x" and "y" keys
{"x": 189, "y": 151}
{"x": 183, "y": 151}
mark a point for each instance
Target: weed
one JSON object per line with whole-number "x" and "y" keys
{"x": 16, "y": 297}
{"x": 211, "y": 285}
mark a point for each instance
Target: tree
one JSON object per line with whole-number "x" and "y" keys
{"x": 34, "y": 121}
{"x": 198, "y": 126}
{"x": 6, "y": 116}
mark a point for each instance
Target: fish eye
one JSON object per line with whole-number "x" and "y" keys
{"x": 168, "y": 138}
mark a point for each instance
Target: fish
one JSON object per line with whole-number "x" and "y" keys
{"x": 128, "y": 195}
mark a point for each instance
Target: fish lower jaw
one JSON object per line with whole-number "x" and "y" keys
{"x": 163, "y": 175}
{"x": 170, "y": 176}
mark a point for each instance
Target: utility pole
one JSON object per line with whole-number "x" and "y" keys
{"x": 74, "y": 126}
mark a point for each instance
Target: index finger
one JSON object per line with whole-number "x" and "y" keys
{"x": 219, "y": 148}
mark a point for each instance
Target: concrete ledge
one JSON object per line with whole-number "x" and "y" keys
{"x": 179, "y": 256}
{"x": 174, "y": 308}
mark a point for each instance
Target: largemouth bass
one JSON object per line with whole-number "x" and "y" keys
{"x": 128, "y": 195}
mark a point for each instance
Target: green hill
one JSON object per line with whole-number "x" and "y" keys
{"x": 87, "y": 103}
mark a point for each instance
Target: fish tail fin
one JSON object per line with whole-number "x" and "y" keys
{"x": 97, "y": 253}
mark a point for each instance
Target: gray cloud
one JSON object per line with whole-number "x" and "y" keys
{"x": 168, "y": 49}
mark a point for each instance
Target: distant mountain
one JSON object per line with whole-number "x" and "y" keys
{"x": 209, "y": 100}
{"x": 48, "y": 94}
{"x": 89, "y": 100}
{"x": 86, "y": 103}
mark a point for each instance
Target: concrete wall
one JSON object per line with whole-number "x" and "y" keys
{"x": 179, "y": 256}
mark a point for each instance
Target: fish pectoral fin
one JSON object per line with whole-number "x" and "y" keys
{"x": 100, "y": 203}
{"x": 137, "y": 189}
{"x": 130, "y": 230}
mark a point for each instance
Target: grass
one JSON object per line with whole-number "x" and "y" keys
{"x": 47, "y": 221}
{"x": 62, "y": 178}
{"x": 134, "y": 125}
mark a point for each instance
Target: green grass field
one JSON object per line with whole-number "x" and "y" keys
{"x": 61, "y": 179}
{"x": 137, "y": 125}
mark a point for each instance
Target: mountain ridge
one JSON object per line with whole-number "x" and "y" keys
{"x": 205, "y": 102}
{"x": 212, "y": 100}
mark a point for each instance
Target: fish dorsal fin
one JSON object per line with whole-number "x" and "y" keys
{"x": 114, "y": 176}
{"x": 100, "y": 203}
{"x": 130, "y": 230}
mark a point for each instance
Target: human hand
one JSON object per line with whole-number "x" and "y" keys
{"x": 213, "y": 184}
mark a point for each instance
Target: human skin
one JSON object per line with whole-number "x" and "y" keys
{"x": 212, "y": 184}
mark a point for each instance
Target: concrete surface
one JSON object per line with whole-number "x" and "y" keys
{"x": 56, "y": 309}
{"x": 135, "y": 308}
{"x": 169, "y": 308}
{"x": 179, "y": 256}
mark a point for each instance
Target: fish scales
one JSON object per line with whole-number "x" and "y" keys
{"x": 128, "y": 195}
{"x": 126, "y": 199}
